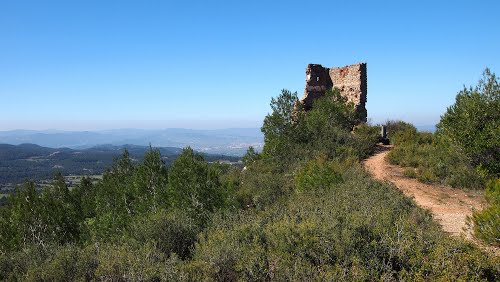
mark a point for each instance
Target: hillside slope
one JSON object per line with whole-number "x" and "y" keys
{"x": 449, "y": 207}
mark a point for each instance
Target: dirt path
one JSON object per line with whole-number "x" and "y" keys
{"x": 449, "y": 207}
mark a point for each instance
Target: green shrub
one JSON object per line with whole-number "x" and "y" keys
{"x": 404, "y": 136}
{"x": 487, "y": 221}
{"x": 435, "y": 160}
{"x": 262, "y": 184}
{"x": 52, "y": 263}
{"x": 169, "y": 232}
{"x": 394, "y": 127}
{"x": 14, "y": 264}
{"x": 196, "y": 186}
{"x": 135, "y": 263}
{"x": 427, "y": 176}
{"x": 357, "y": 229}
{"x": 472, "y": 123}
{"x": 100, "y": 262}
{"x": 61, "y": 264}
{"x": 321, "y": 173}
{"x": 366, "y": 138}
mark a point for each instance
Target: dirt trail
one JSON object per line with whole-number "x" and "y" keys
{"x": 449, "y": 207}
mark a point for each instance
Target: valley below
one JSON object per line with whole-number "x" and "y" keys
{"x": 30, "y": 162}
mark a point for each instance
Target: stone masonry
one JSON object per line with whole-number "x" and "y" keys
{"x": 350, "y": 80}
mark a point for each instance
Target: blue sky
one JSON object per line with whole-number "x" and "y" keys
{"x": 83, "y": 65}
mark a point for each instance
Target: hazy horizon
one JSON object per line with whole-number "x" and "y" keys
{"x": 114, "y": 125}
{"x": 97, "y": 129}
{"x": 93, "y": 125}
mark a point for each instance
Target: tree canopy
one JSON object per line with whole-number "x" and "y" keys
{"x": 473, "y": 123}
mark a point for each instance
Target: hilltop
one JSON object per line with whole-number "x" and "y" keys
{"x": 302, "y": 209}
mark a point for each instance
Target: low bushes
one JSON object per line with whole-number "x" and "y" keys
{"x": 354, "y": 229}
{"x": 487, "y": 221}
{"x": 434, "y": 160}
{"x": 303, "y": 209}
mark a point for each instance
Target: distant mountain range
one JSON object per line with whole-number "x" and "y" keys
{"x": 233, "y": 141}
{"x": 426, "y": 128}
{"x": 33, "y": 162}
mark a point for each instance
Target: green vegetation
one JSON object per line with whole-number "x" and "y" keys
{"x": 464, "y": 152}
{"x": 343, "y": 227}
{"x": 487, "y": 221}
{"x": 145, "y": 213}
{"x": 28, "y": 161}
{"x": 302, "y": 209}
{"x": 432, "y": 159}
{"x": 473, "y": 124}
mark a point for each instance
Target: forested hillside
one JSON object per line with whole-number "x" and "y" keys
{"x": 303, "y": 209}
{"x": 19, "y": 163}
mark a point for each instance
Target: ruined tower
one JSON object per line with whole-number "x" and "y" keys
{"x": 350, "y": 80}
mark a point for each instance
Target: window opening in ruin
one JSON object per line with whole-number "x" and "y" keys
{"x": 317, "y": 78}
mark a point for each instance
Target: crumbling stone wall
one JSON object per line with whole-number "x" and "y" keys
{"x": 350, "y": 80}
{"x": 318, "y": 80}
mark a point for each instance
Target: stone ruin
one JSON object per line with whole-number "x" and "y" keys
{"x": 350, "y": 80}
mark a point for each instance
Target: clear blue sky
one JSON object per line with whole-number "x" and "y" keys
{"x": 215, "y": 64}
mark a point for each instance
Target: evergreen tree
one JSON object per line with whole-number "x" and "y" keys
{"x": 59, "y": 213}
{"x": 195, "y": 185}
{"x": 26, "y": 218}
{"x": 473, "y": 123}
{"x": 151, "y": 182}
{"x": 115, "y": 200}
